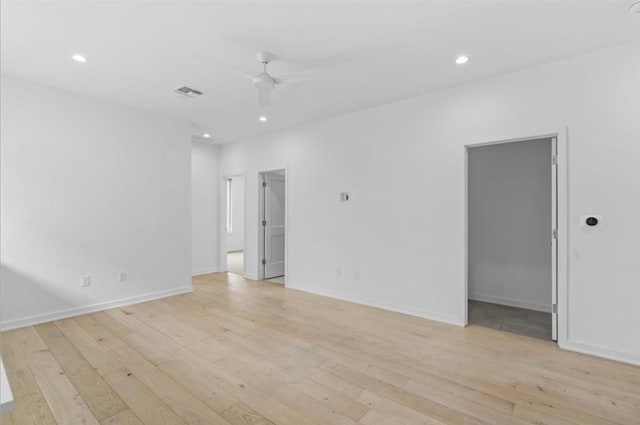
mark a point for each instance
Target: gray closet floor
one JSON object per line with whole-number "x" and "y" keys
{"x": 521, "y": 321}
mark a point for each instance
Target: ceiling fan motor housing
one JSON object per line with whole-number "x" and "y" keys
{"x": 264, "y": 81}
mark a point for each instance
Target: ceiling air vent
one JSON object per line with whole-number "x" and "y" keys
{"x": 188, "y": 91}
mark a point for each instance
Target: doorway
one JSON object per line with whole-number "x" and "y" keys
{"x": 235, "y": 223}
{"x": 512, "y": 222}
{"x": 272, "y": 226}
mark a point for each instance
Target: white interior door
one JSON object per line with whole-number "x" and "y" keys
{"x": 554, "y": 239}
{"x": 274, "y": 225}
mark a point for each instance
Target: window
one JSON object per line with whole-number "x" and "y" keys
{"x": 229, "y": 209}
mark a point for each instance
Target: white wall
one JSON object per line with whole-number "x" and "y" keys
{"x": 88, "y": 188}
{"x": 403, "y": 163}
{"x": 204, "y": 207}
{"x": 509, "y": 204}
{"x": 235, "y": 239}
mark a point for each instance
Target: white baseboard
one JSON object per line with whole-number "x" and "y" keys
{"x": 438, "y": 317}
{"x": 250, "y": 277}
{"x": 510, "y": 302}
{"x": 205, "y": 271}
{"x": 593, "y": 350}
{"x": 77, "y": 311}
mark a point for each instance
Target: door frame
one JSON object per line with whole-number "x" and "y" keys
{"x": 561, "y": 211}
{"x": 260, "y": 238}
{"x": 222, "y": 223}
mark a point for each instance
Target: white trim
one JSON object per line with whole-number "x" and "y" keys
{"x": 286, "y": 224}
{"x": 562, "y": 221}
{"x": 384, "y": 305}
{"x": 205, "y": 271}
{"x": 511, "y": 302}
{"x": 250, "y": 277}
{"x": 77, "y": 311}
{"x": 607, "y": 353}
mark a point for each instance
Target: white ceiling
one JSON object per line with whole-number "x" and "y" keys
{"x": 360, "y": 53}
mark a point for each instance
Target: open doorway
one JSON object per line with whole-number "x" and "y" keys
{"x": 272, "y": 225}
{"x": 512, "y": 254}
{"x": 234, "y": 223}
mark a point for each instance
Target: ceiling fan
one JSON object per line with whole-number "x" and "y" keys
{"x": 265, "y": 82}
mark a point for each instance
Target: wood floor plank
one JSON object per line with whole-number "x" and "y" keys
{"x": 103, "y": 401}
{"x": 5, "y": 419}
{"x": 126, "y": 417}
{"x": 115, "y": 327}
{"x": 64, "y": 400}
{"x": 160, "y": 350}
{"x": 373, "y": 417}
{"x": 399, "y": 412}
{"x": 140, "y": 399}
{"x": 241, "y": 352}
{"x": 534, "y": 416}
{"x": 96, "y": 355}
{"x": 177, "y": 397}
{"x": 17, "y": 345}
{"x": 213, "y": 382}
{"x": 301, "y": 403}
{"x": 11, "y": 354}
{"x": 30, "y": 408}
{"x": 355, "y": 410}
{"x": 241, "y": 414}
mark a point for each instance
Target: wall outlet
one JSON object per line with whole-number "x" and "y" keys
{"x": 122, "y": 276}
{"x": 356, "y": 275}
{"x": 85, "y": 280}
{"x": 338, "y": 272}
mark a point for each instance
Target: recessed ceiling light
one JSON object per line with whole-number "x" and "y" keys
{"x": 263, "y": 119}
{"x": 462, "y": 59}
{"x": 206, "y": 135}
{"x": 634, "y": 7}
{"x": 79, "y": 58}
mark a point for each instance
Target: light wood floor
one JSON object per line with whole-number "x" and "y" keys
{"x": 241, "y": 352}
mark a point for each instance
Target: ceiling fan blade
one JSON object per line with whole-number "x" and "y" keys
{"x": 264, "y": 97}
{"x": 296, "y": 77}
{"x": 220, "y": 65}
{"x": 243, "y": 73}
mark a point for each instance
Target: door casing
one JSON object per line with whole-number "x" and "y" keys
{"x": 222, "y": 228}
{"x": 260, "y": 250}
{"x": 560, "y": 328}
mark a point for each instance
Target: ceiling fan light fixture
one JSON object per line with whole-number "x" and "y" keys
{"x": 634, "y": 8}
